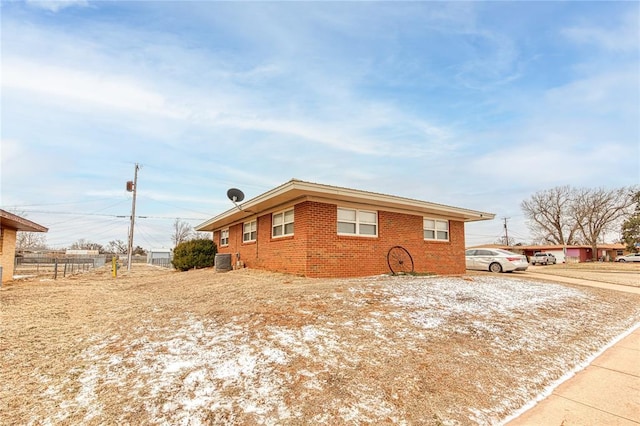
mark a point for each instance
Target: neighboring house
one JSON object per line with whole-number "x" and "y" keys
{"x": 159, "y": 256}
{"x": 10, "y": 224}
{"x": 569, "y": 253}
{"x": 326, "y": 231}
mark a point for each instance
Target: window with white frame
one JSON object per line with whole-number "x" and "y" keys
{"x": 357, "y": 222}
{"x": 224, "y": 237}
{"x": 436, "y": 229}
{"x": 249, "y": 231}
{"x": 282, "y": 224}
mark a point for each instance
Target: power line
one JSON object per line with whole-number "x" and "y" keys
{"x": 146, "y": 236}
{"x": 172, "y": 205}
{"x": 118, "y": 216}
{"x": 72, "y": 213}
{"x": 19, "y": 206}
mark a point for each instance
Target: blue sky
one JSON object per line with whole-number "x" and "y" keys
{"x": 476, "y": 105}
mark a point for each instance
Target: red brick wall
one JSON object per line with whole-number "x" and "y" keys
{"x": 283, "y": 254}
{"x": 330, "y": 254}
{"x": 7, "y": 252}
{"x": 316, "y": 250}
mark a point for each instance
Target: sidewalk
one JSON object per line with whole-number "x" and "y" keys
{"x": 606, "y": 392}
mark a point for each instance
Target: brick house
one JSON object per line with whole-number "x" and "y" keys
{"x": 10, "y": 224}
{"x": 319, "y": 230}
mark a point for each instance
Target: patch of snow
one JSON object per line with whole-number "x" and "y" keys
{"x": 199, "y": 371}
{"x": 174, "y": 367}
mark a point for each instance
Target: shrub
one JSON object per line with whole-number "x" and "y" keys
{"x": 192, "y": 254}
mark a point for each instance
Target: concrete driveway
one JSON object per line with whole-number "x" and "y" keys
{"x": 627, "y": 280}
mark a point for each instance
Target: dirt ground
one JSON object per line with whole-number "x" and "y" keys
{"x": 156, "y": 346}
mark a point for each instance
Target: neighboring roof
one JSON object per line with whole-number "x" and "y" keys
{"x": 298, "y": 191}
{"x": 12, "y": 221}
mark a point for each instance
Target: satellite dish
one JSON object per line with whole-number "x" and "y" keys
{"x": 235, "y": 195}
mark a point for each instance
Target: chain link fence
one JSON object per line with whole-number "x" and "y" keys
{"x": 54, "y": 267}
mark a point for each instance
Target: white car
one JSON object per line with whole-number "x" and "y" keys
{"x": 495, "y": 260}
{"x": 633, "y": 257}
{"x": 543, "y": 259}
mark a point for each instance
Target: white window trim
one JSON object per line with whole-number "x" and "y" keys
{"x": 435, "y": 229}
{"x": 357, "y": 223}
{"x": 282, "y": 225}
{"x": 223, "y": 244}
{"x": 250, "y": 232}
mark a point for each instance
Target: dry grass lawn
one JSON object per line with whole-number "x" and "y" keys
{"x": 248, "y": 347}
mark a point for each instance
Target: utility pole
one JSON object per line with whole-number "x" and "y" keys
{"x": 132, "y": 187}
{"x": 506, "y": 232}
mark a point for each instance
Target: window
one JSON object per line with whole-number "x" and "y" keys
{"x": 282, "y": 224}
{"x": 224, "y": 237}
{"x": 357, "y": 222}
{"x": 435, "y": 229}
{"x": 484, "y": 253}
{"x": 249, "y": 231}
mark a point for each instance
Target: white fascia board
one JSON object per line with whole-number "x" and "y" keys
{"x": 300, "y": 189}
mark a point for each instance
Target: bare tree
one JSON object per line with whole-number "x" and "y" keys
{"x": 139, "y": 251}
{"x": 631, "y": 227}
{"x": 550, "y": 215}
{"x": 83, "y": 244}
{"x": 117, "y": 247}
{"x": 199, "y": 235}
{"x": 598, "y": 211}
{"x": 182, "y": 232}
{"x": 30, "y": 240}
{"x": 503, "y": 241}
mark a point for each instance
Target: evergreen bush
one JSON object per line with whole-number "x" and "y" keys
{"x": 192, "y": 254}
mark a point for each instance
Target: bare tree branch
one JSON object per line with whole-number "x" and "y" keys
{"x": 117, "y": 247}
{"x": 30, "y": 240}
{"x": 83, "y": 244}
{"x": 598, "y": 211}
{"x": 549, "y": 216}
{"x": 630, "y": 230}
{"x": 182, "y": 232}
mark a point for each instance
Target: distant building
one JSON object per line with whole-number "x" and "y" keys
{"x": 567, "y": 253}
{"x": 159, "y": 256}
{"x": 10, "y": 224}
{"x": 82, "y": 252}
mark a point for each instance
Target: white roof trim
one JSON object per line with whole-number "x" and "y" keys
{"x": 297, "y": 189}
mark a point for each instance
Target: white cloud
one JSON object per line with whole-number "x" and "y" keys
{"x": 11, "y": 149}
{"x": 549, "y": 161}
{"x": 57, "y": 5}
{"x": 429, "y": 105}
{"x": 623, "y": 36}
{"x": 613, "y": 90}
{"x": 78, "y": 86}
